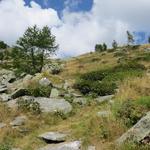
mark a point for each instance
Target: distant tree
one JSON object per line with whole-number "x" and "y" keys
{"x": 3, "y": 45}
{"x": 104, "y": 47}
{"x": 1, "y": 55}
{"x": 130, "y": 38}
{"x": 149, "y": 39}
{"x": 33, "y": 48}
{"x": 114, "y": 44}
{"x": 100, "y": 47}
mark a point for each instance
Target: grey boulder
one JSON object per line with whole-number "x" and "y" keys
{"x": 2, "y": 125}
{"x": 3, "y": 88}
{"x": 46, "y": 104}
{"x": 18, "y": 121}
{"x": 80, "y": 101}
{"x": 5, "y": 97}
{"x": 54, "y": 93}
{"x": 19, "y": 92}
{"x": 76, "y": 145}
{"x": 104, "y": 114}
{"x": 102, "y": 99}
{"x": 45, "y": 82}
{"x": 91, "y": 148}
{"x": 6, "y": 76}
{"x": 53, "y": 137}
{"x": 138, "y": 132}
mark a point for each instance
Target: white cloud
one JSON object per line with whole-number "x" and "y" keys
{"x": 16, "y": 17}
{"x": 78, "y": 32}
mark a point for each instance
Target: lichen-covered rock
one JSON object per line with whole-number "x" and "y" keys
{"x": 102, "y": 99}
{"x": 18, "y": 121}
{"x": 80, "y": 101}
{"x": 45, "y": 82}
{"x": 54, "y": 93}
{"x": 19, "y": 92}
{"x": 103, "y": 113}
{"x": 5, "y": 97}
{"x": 138, "y": 132}
{"x": 76, "y": 145}
{"x": 6, "y": 76}
{"x": 3, "y": 88}
{"x": 2, "y": 125}
{"x": 46, "y": 104}
{"x": 53, "y": 137}
{"x": 91, "y": 148}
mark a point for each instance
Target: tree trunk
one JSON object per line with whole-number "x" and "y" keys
{"x": 33, "y": 60}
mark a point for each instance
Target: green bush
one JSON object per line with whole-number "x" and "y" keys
{"x": 5, "y": 147}
{"x": 104, "y": 132}
{"x": 144, "y": 57}
{"x": 39, "y": 91}
{"x": 144, "y": 101}
{"x": 104, "y": 82}
{"x": 129, "y": 112}
{"x": 29, "y": 106}
{"x": 103, "y": 88}
{"x": 120, "y": 54}
{"x": 96, "y": 88}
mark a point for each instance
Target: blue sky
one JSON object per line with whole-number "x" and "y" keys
{"x": 77, "y": 24}
{"x": 59, "y": 5}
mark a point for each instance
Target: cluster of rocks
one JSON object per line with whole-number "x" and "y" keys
{"x": 18, "y": 121}
{"x": 12, "y": 89}
{"x": 58, "y": 141}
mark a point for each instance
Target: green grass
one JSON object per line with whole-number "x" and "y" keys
{"x": 144, "y": 101}
{"x": 104, "y": 82}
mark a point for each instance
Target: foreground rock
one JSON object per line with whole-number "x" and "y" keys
{"x": 18, "y": 121}
{"x": 46, "y": 104}
{"x": 76, "y": 145}
{"x": 3, "y": 88}
{"x": 45, "y": 82}
{"x": 2, "y": 125}
{"x": 102, "y": 99}
{"x": 19, "y": 92}
{"x": 6, "y": 76}
{"x": 54, "y": 93}
{"x": 104, "y": 114}
{"x": 5, "y": 97}
{"x": 91, "y": 148}
{"x": 138, "y": 132}
{"x": 80, "y": 101}
{"x": 53, "y": 137}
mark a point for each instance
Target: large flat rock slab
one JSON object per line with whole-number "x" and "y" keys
{"x": 76, "y": 145}
{"x": 46, "y": 104}
{"x": 102, "y": 99}
{"x": 18, "y": 121}
{"x": 53, "y": 137}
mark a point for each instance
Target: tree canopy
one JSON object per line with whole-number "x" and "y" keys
{"x": 33, "y": 48}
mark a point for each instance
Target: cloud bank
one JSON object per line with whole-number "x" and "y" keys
{"x": 76, "y": 32}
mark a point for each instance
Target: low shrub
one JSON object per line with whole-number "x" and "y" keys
{"x": 5, "y": 147}
{"x": 144, "y": 101}
{"x": 104, "y": 82}
{"x": 38, "y": 90}
{"x": 120, "y": 54}
{"x": 144, "y": 57}
{"x": 129, "y": 112}
{"x": 29, "y": 106}
{"x": 104, "y": 132}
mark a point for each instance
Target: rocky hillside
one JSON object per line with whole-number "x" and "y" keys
{"x": 96, "y": 101}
